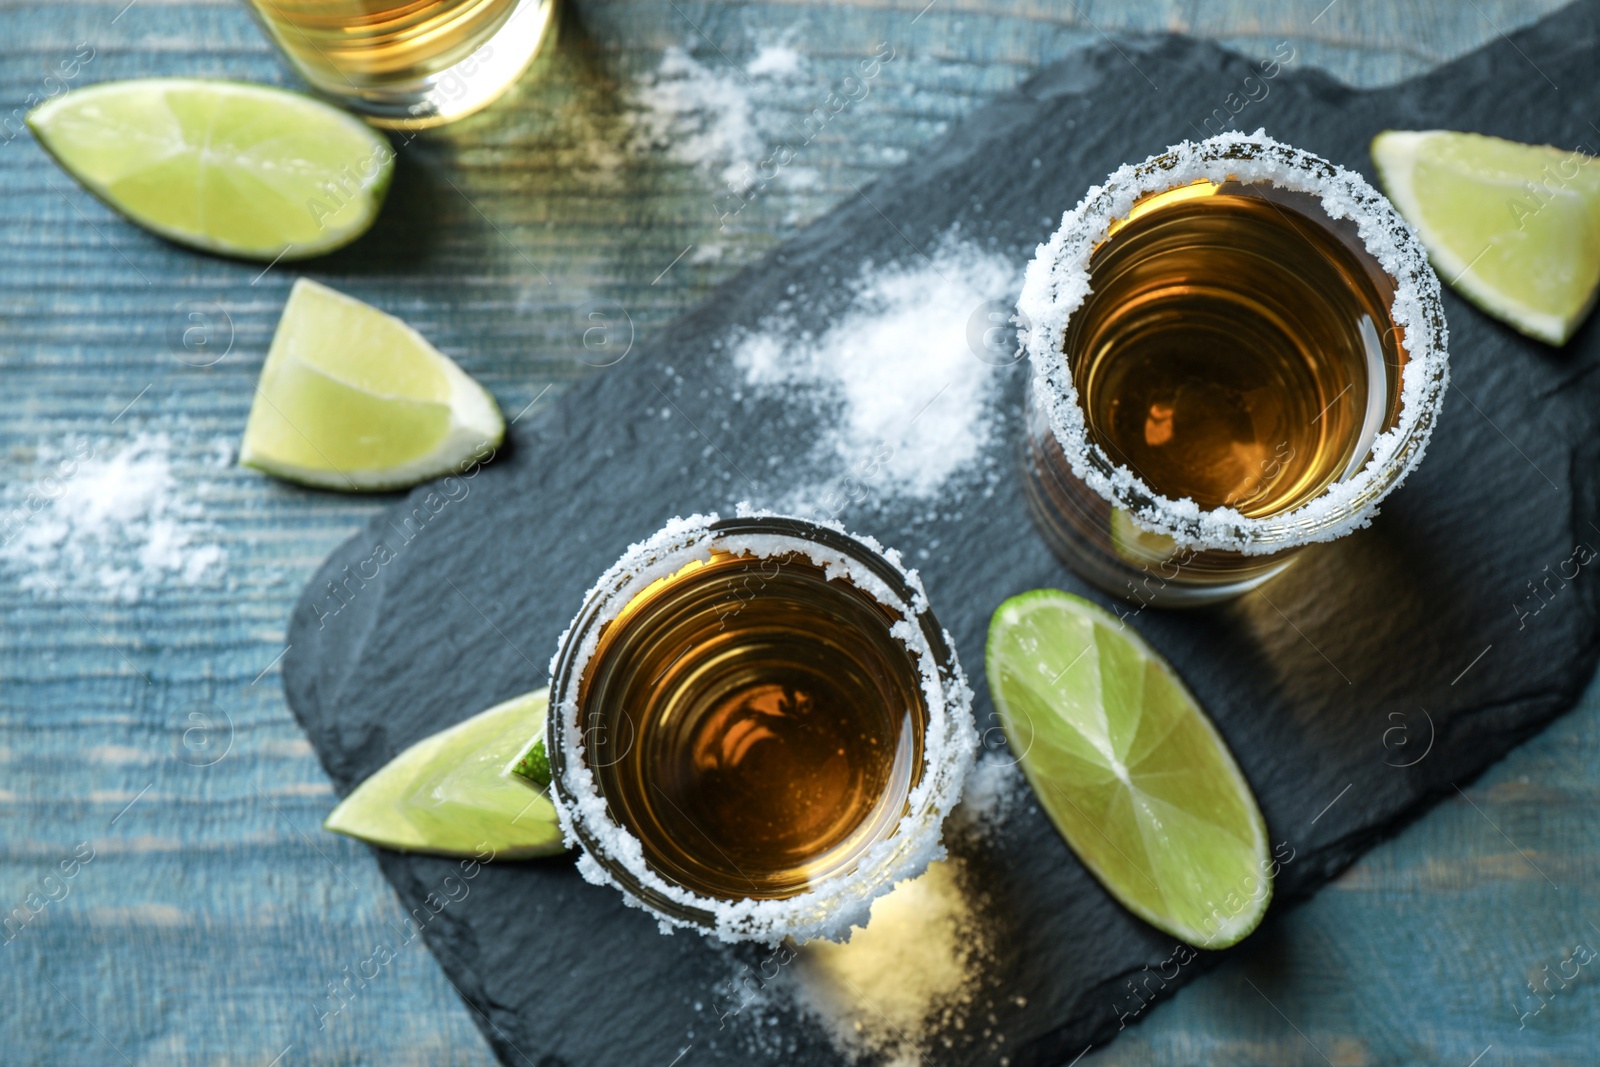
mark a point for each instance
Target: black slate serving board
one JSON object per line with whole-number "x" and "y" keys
{"x": 1384, "y": 669}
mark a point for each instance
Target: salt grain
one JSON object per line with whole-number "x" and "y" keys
{"x": 707, "y": 118}
{"x": 904, "y": 400}
{"x": 106, "y": 521}
{"x": 994, "y": 786}
{"x": 912, "y": 971}
{"x": 775, "y": 60}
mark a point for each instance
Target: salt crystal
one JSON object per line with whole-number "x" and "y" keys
{"x": 708, "y": 117}
{"x": 905, "y": 402}
{"x": 775, "y": 60}
{"x": 994, "y": 786}
{"x": 106, "y": 520}
{"x": 912, "y": 970}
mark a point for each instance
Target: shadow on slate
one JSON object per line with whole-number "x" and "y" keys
{"x": 1357, "y": 690}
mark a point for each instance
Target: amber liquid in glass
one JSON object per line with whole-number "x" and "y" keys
{"x": 409, "y": 63}
{"x": 377, "y": 40}
{"x": 1234, "y": 351}
{"x": 754, "y": 724}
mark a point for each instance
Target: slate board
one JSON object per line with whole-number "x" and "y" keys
{"x": 1383, "y": 671}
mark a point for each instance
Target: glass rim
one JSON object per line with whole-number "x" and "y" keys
{"x": 1057, "y": 283}
{"x": 610, "y": 854}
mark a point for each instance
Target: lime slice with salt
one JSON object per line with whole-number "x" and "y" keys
{"x": 1514, "y": 227}
{"x": 1129, "y": 768}
{"x": 245, "y": 170}
{"x": 352, "y": 398}
{"x": 456, "y": 794}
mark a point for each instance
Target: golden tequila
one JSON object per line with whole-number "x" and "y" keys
{"x": 1221, "y": 365}
{"x": 757, "y": 726}
{"x": 1235, "y": 351}
{"x": 409, "y": 63}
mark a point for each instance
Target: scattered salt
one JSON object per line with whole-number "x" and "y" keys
{"x": 708, "y": 117}
{"x": 904, "y": 399}
{"x": 106, "y": 520}
{"x": 775, "y": 60}
{"x": 913, "y": 970}
{"x": 994, "y": 786}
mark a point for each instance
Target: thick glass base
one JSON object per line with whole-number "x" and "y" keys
{"x": 1105, "y": 548}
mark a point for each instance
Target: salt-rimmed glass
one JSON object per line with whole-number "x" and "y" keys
{"x": 898, "y": 847}
{"x": 1109, "y": 525}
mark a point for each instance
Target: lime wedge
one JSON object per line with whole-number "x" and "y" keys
{"x": 453, "y": 794}
{"x": 1515, "y": 228}
{"x": 245, "y": 170}
{"x": 352, "y": 398}
{"x": 1129, "y": 768}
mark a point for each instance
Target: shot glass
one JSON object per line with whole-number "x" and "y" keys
{"x": 409, "y": 64}
{"x": 1238, "y": 350}
{"x": 757, "y": 727}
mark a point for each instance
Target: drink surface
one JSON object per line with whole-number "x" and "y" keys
{"x": 753, "y": 724}
{"x": 351, "y": 45}
{"x": 1235, "y": 350}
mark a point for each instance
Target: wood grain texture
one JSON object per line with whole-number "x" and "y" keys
{"x": 215, "y": 912}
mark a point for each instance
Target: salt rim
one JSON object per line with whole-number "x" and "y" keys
{"x": 843, "y": 901}
{"x": 1057, "y": 282}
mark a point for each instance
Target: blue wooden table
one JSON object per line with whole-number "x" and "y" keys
{"x": 171, "y": 898}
